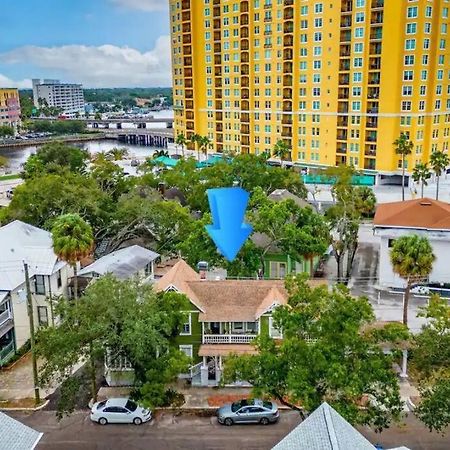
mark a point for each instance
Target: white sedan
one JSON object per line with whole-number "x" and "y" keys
{"x": 119, "y": 410}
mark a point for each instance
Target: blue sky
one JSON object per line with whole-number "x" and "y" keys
{"x": 100, "y": 43}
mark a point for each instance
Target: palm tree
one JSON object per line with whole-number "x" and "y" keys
{"x": 421, "y": 173}
{"x": 281, "y": 150}
{"x": 412, "y": 259}
{"x": 72, "y": 241}
{"x": 195, "y": 141}
{"x": 204, "y": 144}
{"x": 403, "y": 147}
{"x": 117, "y": 154}
{"x": 439, "y": 162}
{"x": 181, "y": 141}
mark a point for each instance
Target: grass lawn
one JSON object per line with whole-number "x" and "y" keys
{"x": 13, "y": 176}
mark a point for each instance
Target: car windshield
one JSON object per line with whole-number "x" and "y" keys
{"x": 101, "y": 405}
{"x": 131, "y": 406}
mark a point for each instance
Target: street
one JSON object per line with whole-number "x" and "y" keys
{"x": 169, "y": 432}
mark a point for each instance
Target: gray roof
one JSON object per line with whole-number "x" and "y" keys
{"x": 21, "y": 242}
{"x": 14, "y": 435}
{"x": 324, "y": 429}
{"x": 123, "y": 263}
{"x": 278, "y": 195}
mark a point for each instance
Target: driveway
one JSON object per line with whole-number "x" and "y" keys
{"x": 169, "y": 432}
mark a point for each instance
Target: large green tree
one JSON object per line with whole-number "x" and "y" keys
{"x": 55, "y": 158}
{"x": 403, "y": 147}
{"x": 6, "y": 131}
{"x": 331, "y": 352}
{"x": 439, "y": 163}
{"x": 129, "y": 320}
{"x": 431, "y": 359}
{"x": 296, "y": 231}
{"x": 39, "y": 201}
{"x": 73, "y": 241}
{"x": 282, "y": 150}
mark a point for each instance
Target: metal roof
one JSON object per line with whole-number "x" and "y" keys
{"x": 21, "y": 242}
{"x": 123, "y": 263}
{"x": 15, "y": 435}
{"x": 324, "y": 429}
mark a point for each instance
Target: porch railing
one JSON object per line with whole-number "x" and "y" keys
{"x": 228, "y": 338}
{"x": 195, "y": 370}
{"x": 5, "y": 316}
{"x": 7, "y": 352}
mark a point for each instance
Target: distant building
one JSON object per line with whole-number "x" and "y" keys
{"x": 49, "y": 278}
{"x": 9, "y": 107}
{"x": 424, "y": 217}
{"x": 68, "y": 97}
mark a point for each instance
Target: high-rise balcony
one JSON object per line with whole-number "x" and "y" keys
{"x": 245, "y": 94}
{"x": 343, "y": 93}
{"x": 346, "y": 21}
{"x": 244, "y": 32}
{"x": 288, "y": 54}
{"x": 217, "y": 36}
{"x": 185, "y": 4}
{"x": 344, "y": 65}
{"x": 342, "y": 121}
{"x": 375, "y": 63}
{"x": 376, "y": 18}
{"x": 341, "y": 135}
{"x": 343, "y": 107}
{"x": 245, "y": 129}
{"x": 288, "y": 2}
{"x": 287, "y": 67}
{"x": 346, "y": 36}
{"x": 369, "y": 164}
{"x": 376, "y": 34}
{"x": 245, "y": 117}
{"x": 216, "y": 11}
{"x": 375, "y": 49}
{"x": 219, "y": 116}
{"x": 347, "y": 6}
{"x": 345, "y": 50}
{"x": 374, "y": 79}
{"x": 186, "y": 27}
{"x": 244, "y": 6}
{"x": 288, "y": 13}
{"x": 217, "y": 60}
{"x": 244, "y": 19}
{"x": 372, "y": 122}
{"x": 187, "y": 39}
{"x": 377, "y": 4}
{"x": 217, "y": 47}
{"x": 344, "y": 79}
{"x": 371, "y": 136}
{"x": 289, "y": 27}
{"x": 288, "y": 40}
{"x": 245, "y": 45}
{"x": 341, "y": 148}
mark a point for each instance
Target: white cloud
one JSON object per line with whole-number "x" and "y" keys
{"x": 104, "y": 66}
{"x": 143, "y": 5}
{"x": 6, "y": 82}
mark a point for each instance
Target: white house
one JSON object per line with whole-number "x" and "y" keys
{"x": 129, "y": 262}
{"x": 424, "y": 217}
{"x": 19, "y": 243}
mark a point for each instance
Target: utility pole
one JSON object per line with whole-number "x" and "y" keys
{"x": 37, "y": 398}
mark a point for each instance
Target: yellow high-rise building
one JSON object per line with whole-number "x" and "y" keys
{"x": 338, "y": 80}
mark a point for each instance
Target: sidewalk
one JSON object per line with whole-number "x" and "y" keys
{"x": 16, "y": 383}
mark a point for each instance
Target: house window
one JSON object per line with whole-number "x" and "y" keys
{"x": 59, "y": 279}
{"x": 238, "y": 327}
{"x": 186, "y": 328}
{"x": 273, "y": 331}
{"x": 42, "y": 315}
{"x": 251, "y": 327}
{"x": 277, "y": 269}
{"x": 148, "y": 269}
{"x": 187, "y": 350}
{"x": 39, "y": 285}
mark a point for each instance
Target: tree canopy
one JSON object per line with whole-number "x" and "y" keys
{"x": 331, "y": 352}
{"x": 128, "y": 319}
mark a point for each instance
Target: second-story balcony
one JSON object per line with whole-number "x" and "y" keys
{"x": 228, "y": 338}
{"x": 5, "y": 317}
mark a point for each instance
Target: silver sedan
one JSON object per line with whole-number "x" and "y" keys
{"x": 248, "y": 411}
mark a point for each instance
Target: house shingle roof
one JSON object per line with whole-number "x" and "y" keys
{"x": 225, "y": 300}
{"x": 422, "y": 213}
{"x": 324, "y": 429}
{"x": 14, "y": 435}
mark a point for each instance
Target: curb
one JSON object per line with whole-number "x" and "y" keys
{"x": 37, "y": 408}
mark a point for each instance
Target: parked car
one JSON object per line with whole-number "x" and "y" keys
{"x": 119, "y": 410}
{"x": 420, "y": 289}
{"x": 248, "y": 411}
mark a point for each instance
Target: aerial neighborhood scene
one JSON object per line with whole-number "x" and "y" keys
{"x": 225, "y": 224}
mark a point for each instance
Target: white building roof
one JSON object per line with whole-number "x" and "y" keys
{"x": 15, "y": 435}
{"x": 21, "y": 242}
{"x": 123, "y": 263}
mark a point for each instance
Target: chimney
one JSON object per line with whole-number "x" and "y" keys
{"x": 202, "y": 267}
{"x": 162, "y": 188}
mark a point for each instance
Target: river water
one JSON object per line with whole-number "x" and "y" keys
{"x": 18, "y": 155}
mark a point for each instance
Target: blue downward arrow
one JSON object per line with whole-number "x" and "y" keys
{"x": 229, "y": 232}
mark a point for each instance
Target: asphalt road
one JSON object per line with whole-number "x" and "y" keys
{"x": 168, "y": 432}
